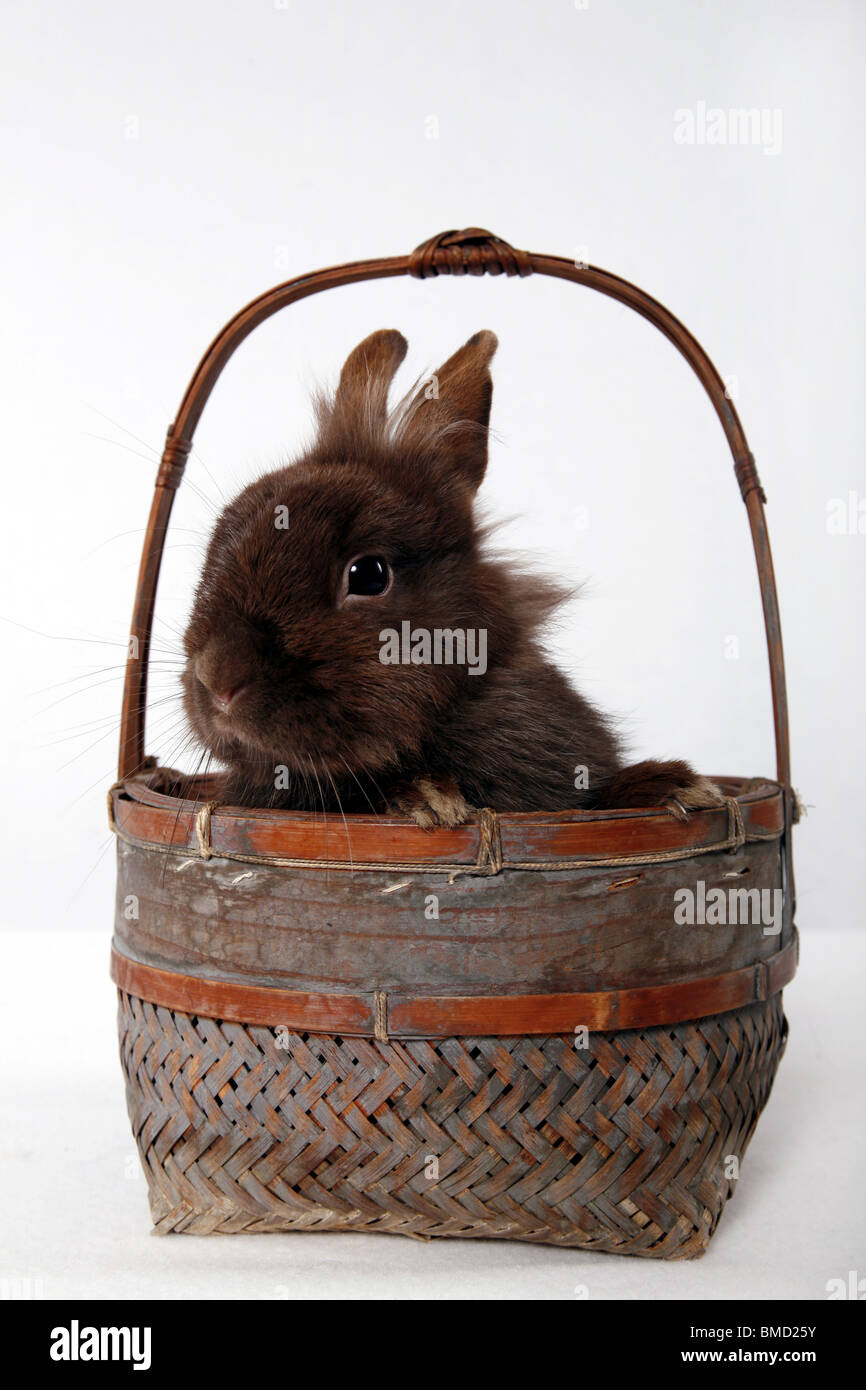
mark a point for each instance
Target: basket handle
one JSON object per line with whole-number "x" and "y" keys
{"x": 470, "y": 252}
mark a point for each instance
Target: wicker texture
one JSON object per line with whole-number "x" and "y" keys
{"x": 620, "y": 1146}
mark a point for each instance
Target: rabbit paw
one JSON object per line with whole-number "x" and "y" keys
{"x": 672, "y": 785}
{"x": 697, "y": 795}
{"x": 431, "y": 801}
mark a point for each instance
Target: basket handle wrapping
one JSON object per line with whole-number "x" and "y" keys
{"x": 470, "y": 252}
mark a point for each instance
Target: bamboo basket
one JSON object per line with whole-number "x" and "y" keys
{"x": 308, "y": 1046}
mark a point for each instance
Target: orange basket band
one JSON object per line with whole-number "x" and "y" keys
{"x": 382, "y": 1015}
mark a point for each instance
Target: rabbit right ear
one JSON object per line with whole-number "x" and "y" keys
{"x": 454, "y": 407}
{"x": 362, "y": 394}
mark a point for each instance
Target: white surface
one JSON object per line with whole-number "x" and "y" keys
{"x": 76, "y": 1223}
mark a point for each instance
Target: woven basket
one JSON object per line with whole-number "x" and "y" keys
{"x": 497, "y": 1030}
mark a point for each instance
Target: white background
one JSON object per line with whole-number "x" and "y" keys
{"x": 164, "y": 163}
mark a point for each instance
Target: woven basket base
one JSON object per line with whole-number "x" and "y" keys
{"x": 623, "y": 1146}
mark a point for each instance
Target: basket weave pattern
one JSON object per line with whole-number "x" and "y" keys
{"x": 619, "y": 1146}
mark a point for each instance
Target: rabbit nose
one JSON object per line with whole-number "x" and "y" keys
{"x": 223, "y": 687}
{"x": 226, "y": 698}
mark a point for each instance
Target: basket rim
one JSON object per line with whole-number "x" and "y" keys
{"x": 142, "y": 814}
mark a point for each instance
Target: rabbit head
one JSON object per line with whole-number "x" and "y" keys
{"x": 372, "y": 527}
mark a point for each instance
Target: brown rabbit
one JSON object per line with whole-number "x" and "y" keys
{"x": 352, "y": 647}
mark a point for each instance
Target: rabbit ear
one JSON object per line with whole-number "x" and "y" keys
{"x": 368, "y": 371}
{"x": 454, "y": 404}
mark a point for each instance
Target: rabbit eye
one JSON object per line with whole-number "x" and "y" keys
{"x": 368, "y": 575}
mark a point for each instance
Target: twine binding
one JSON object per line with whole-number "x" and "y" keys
{"x": 202, "y": 829}
{"x": 380, "y": 1004}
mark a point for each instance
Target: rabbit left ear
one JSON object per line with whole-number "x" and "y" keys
{"x": 366, "y": 378}
{"x": 452, "y": 409}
